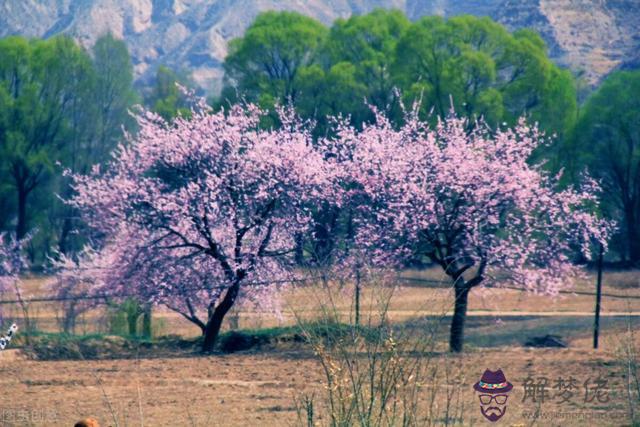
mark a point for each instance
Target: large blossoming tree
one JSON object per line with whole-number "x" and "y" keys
{"x": 468, "y": 202}
{"x": 195, "y": 213}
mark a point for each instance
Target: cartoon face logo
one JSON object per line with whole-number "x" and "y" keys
{"x": 493, "y": 389}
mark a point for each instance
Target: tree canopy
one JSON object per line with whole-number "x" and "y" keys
{"x": 607, "y": 142}
{"x": 485, "y": 71}
{"x": 266, "y": 62}
{"x": 198, "y": 214}
{"x": 58, "y": 106}
{"x": 469, "y": 202}
{"x": 207, "y": 210}
{"x": 474, "y": 63}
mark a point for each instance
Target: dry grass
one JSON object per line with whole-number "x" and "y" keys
{"x": 408, "y": 302}
{"x": 260, "y": 388}
{"x": 246, "y": 389}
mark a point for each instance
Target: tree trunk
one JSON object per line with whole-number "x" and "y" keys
{"x": 456, "y": 337}
{"x": 147, "y": 318}
{"x": 632, "y": 236}
{"x": 69, "y": 320}
{"x": 64, "y": 235}
{"x": 299, "y": 253}
{"x": 132, "y": 322}
{"x": 21, "y": 228}
{"x": 216, "y": 316}
{"x": 357, "y": 302}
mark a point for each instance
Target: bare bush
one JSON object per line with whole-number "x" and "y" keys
{"x": 375, "y": 373}
{"x": 628, "y": 356}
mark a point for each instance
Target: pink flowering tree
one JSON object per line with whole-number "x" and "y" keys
{"x": 468, "y": 202}
{"x": 201, "y": 211}
{"x": 12, "y": 263}
{"x": 76, "y": 281}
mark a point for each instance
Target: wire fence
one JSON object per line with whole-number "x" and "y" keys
{"x": 430, "y": 283}
{"x": 104, "y": 314}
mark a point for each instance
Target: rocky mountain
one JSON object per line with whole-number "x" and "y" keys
{"x": 594, "y": 36}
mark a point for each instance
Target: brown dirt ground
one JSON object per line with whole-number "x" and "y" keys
{"x": 261, "y": 387}
{"x": 248, "y": 388}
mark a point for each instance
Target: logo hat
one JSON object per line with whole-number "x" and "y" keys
{"x": 493, "y": 383}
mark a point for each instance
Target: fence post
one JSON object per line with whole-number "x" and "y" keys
{"x": 596, "y": 324}
{"x": 357, "y": 296}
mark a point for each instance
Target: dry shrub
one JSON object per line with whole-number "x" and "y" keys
{"x": 376, "y": 373}
{"x": 630, "y": 362}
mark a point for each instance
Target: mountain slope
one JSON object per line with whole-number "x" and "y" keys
{"x": 591, "y": 35}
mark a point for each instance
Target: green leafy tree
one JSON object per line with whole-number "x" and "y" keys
{"x": 97, "y": 116}
{"x": 60, "y": 107}
{"x": 38, "y": 84}
{"x": 331, "y": 92}
{"x": 7, "y": 201}
{"x": 286, "y": 57}
{"x": 114, "y": 94}
{"x": 477, "y": 64}
{"x": 167, "y": 99}
{"x": 368, "y": 43}
{"x": 607, "y": 142}
{"x": 485, "y": 71}
{"x": 264, "y": 64}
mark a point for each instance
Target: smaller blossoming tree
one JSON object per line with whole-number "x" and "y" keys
{"x": 469, "y": 202}
{"x": 198, "y": 212}
{"x": 12, "y": 263}
{"x": 75, "y": 281}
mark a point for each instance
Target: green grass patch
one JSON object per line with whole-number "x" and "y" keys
{"x": 61, "y": 346}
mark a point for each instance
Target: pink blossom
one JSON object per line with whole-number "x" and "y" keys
{"x": 468, "y": 201}
{"x": 194, "y": 212}
{"x": 12, "y": 263}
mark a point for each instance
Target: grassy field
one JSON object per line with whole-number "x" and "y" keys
{"x": 261, "y": 385}
{"x": 248, "y": 388}
{"x": 428, "y": 296}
